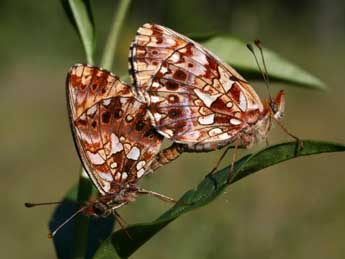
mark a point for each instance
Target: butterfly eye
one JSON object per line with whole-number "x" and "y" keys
{"x": 274, "y": 107}
{"x": 99, "y": 208}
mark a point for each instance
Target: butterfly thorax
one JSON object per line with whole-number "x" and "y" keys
{"x": 256, "y": 127}
{"x": 259, "y": 122}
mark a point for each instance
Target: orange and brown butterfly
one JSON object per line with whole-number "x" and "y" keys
{"x": 193, "y": 97}
{"x": 114, "y": 138}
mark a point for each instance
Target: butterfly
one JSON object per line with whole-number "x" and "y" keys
{"x": 114, "y": 138}
{"x": 193, "y": 97}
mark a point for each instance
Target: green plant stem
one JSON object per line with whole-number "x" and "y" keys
{"x": 84, "y": 23}
{"x": 80, "y": 237}
{"x": 109, "y": 50}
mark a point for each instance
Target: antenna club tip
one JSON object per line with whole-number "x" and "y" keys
{"x": 257, "y": 42}
{"x": 28, "y": 205}
{"x": 50, "y": 235}
{"x": 250, "y": 47}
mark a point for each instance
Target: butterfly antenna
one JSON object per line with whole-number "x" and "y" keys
{"x": 30, "y": 205}
{"x": 259, "y": 46}
{"x": 52, "y": 234}
{"x": 264, "y": 74}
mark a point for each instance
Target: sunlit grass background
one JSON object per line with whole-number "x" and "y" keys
{"x": 294, "y": 210}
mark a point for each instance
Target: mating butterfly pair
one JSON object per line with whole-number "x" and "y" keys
{"x": 180, "y": 91}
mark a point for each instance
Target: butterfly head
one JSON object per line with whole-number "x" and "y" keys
{"x": 98, "y": 209}
{"x": 277, "y": 105}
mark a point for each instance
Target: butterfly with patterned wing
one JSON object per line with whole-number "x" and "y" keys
{"x": 114, "y": 138}
{"x": 194, "y": 98}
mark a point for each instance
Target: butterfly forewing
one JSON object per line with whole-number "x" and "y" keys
{"x": 193, "y": 97}
{"x": 112, "y": 130}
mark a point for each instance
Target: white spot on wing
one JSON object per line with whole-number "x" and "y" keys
{"x": 229, "y": 104}
{"x": 95, "y": 159}
{"x": 228, "y": 84}
{"x": 106, "y": 102}
{"x": 85, "y": 137}
{"x": 206, "y": 98}
{"x": 113, "y": 165}
{"x": 106, "y": 176}
{"x": 140, "y": 165}
{"x": 214, "y": 132}
{"x": 169, "y": 133}
{"x": 101, "y": 152}
{"x": 199, "y": 56}
{"x": 155, "y": 84}
{"x": 235, "y": 122}
{"x": 163, "y": 70}
{"x": 116, "y": 146}
{"x": 83, "y": 117}
{"x": 224, "y": 136}
{"x": 134, "y": 153}
{"x": 124, "y": 176}
{"x": 205, "y": 120}
{"x": 155, "y": 99}
{"x": 243, "y": 102}
{"x": 157, "y": 116}
{"x": 175, "y": 57}
{"x": 92, "y": 110}
{"x": 140, "y": 173}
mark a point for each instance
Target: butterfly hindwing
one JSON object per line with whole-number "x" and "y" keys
{"x": 112, "y": 130}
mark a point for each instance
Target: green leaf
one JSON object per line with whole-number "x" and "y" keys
{"x": 120, "y": 246}
{"x": 114, "y": 35}
{"x": 235, "y": 53}
{"x": 80, "y": 15}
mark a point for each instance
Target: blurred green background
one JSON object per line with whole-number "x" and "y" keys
{"x": 294, "y": 210}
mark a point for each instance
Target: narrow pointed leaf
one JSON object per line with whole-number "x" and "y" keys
{"x": 120, "y": 246}
{"x": 235, "y": 53}
{"x": 80, "y": 15}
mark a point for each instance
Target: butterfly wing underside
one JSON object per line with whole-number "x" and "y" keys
{"x": 111, "y": 129}
{"x": 193, "y": 97}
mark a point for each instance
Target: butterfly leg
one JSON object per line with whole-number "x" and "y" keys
{"x": 157, "y": 195}
{"x": 210, "y": 174}
{"x": 267, "y": 142}
{"x": 163, "y": 197}
{"x": 234, "y": 156}
{"x": 219, "y": 160}
{"x": 298, "y": 140}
